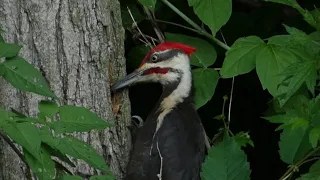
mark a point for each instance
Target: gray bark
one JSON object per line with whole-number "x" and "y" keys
{"x": 78, "y": 45}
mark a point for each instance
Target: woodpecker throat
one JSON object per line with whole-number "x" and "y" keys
{"x": 178, "y": 88}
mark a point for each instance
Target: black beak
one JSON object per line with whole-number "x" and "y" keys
{"x": 128, "y": 80}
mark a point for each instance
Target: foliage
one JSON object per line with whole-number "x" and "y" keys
{"x": 38, "y": 136}
{"x": 286, "y": 64}
{"x": 226, "y": 161}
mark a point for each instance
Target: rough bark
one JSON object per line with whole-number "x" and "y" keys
{"x": 78, "y": 46}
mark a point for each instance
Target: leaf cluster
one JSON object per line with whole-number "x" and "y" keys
{"x": 287, "y": 66}
{"x": 47, "y": 136}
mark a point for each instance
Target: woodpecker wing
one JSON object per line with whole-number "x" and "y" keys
{"x": 180, "y": 141}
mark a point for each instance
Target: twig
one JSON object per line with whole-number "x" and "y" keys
{"x": 161, "y": 162}
{"x": 232, "y": 87}
{"x": 17, "y": 151}
{"x": 288, "y": 173}
{"x": 152, "y": 38}
{"x": 230, "y": 102}
{"x": 154, "y": 24}
{"x": 178, "y": 25}
{"x": 136, "y": 25}
{"x": 196, "y": 26}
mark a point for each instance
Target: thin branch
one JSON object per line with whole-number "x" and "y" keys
{"x": 154, "y": 24}
{"x": 136, "y": 26}
{"x": 230, "y": 102}
{"x": 161, "y": 162}
{"x": 289, "y": 172}
{"x": 17, "y": 151}
{"x": 178, "y": 25}
{"x": 196, "y": 26}
{"x": 232, "y": 88}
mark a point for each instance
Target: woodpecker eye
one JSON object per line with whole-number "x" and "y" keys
{"x": 154, "y": 58}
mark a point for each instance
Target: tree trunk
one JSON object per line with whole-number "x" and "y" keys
{"x": 78, "y": 46}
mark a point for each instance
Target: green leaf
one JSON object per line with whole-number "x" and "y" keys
{"x": 44, "y": 168}
{"x": 288, "y": 121}
{"x": 26, "y": 135}
{"x": 241, "y": 58}
{"x": 314, "y": 47}
{"x": 105, "y": 177}
{"x": 5, "y": 116}
{"x": 150, "y": 4}
{"x": 243, "y": 138}
{"x": 58, "y": 154}
{"x": 22, "y": 75}
{"x": 298, "y": 35}
{"x": 279, "y": 118}
{"x": 294, "y": 144}
{"x": 314, "y": 136}
{"x": 213, "y": 13}
{"x": 300, "y": 73}
{"x": 9, "y": 50}
{"x": 13, "y": 117}
{"x": 70, "y": 177}
{"x": 78, "y": 119}
{"x": 205, "y": 55}
{"x": 47, "y": 109}
{"x": 313, "y": 17}
{"x": 226, "y": 161}
{"x": 313, "y": 174}
{"x": 271, "y": 61}
{"x": 136, "y": 55}
{"x": 75, "y": 148}
{"x": 205, "y": 82}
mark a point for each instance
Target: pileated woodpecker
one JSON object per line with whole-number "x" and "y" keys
{"x": 170, "y": 145}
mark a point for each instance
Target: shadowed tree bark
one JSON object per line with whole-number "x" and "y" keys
{"x": 78, "y": 46}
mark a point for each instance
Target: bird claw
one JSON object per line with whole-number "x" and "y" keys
{"x": 139, "y": 122}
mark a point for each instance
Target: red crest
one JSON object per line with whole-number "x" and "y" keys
{"x": 169, "y": 45}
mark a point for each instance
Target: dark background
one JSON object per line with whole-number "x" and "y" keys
{"x": 249, "y": 17}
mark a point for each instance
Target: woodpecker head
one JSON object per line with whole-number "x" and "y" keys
{"x": 167, "y": 62}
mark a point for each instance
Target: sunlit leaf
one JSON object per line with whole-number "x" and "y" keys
{"x": 26, "y": 135}
{"x": 22, "y": 75}
{"x": 9, "y": 50}
{"x": 44, "y": 168}
{"x": 47, "y": 109}
{"x": 75, "y": 148}
{"x": 78, "y": 119}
